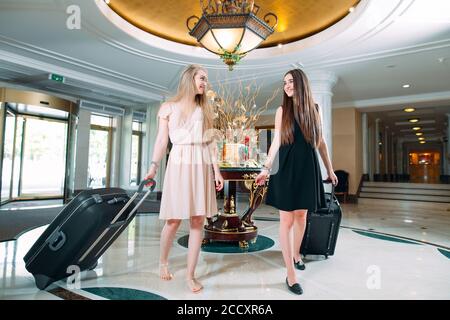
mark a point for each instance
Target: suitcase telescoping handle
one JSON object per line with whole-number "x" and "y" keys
{"x": 146, "y": 182}
{"x": 152, "y": 184}
{"x": 332, "y": 194}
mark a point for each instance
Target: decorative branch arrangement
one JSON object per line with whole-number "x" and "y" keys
{"x": 236, "y": 113}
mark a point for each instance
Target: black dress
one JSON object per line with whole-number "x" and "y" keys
{"x": 296, "y": 183}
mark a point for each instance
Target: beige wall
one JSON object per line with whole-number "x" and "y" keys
{"x": 347, "y": 145}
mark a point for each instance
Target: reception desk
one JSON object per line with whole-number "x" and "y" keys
{"x": 233, "y": 226}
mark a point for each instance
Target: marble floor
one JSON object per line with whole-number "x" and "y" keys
{"x": 382, "y": 253}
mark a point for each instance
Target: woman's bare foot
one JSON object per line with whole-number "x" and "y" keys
{"x": 194, "y": 285}
{"x": 164, "y": 271}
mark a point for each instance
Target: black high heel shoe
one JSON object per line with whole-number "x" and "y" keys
{"x": 299, "y": 265}
{"x": 295, "y": 288}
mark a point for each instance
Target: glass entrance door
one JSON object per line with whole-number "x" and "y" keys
{"x": 34, "y": 157}
{"x": 37, "y": 146}
{"x": 43, "y": 158}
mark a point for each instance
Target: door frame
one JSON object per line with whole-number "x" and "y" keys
{"x": 25, "y": 116}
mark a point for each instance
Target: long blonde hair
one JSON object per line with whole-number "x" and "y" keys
{"x": 186, "y": 88}
{"x": 301, "y": 108}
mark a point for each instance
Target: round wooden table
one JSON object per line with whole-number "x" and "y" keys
{"x": 231, "y": 226}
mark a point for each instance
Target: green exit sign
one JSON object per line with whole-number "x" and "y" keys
{"x": 56, "y": 77}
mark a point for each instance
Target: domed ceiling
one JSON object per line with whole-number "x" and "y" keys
{"x": 297, "y": 19}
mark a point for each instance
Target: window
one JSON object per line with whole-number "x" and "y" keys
{"x": 100, "y": 140}
{"x": 136, "y": 153}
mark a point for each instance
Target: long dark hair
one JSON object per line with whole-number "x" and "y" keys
{"x": 302, "y": 108}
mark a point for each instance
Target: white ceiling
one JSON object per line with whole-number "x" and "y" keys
{"x": 376, "y": 49}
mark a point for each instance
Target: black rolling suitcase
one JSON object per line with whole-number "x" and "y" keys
{"x": 322, "y": 228}
{"x": 81, "y": 233}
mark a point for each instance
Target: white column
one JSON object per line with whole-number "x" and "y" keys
{"x": 322, "y": 83}
{"x": 82, "y": 150}
{"x": 115, "y": 168}
{"x": 377, "y": 146}
{"x": 365, "y": 143}
{"x": 125, "y": 149}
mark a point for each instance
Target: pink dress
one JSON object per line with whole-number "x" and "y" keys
{"x": 189, "y": 188}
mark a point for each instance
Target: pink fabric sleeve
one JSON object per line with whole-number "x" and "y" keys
{"x": 164, "y": 112}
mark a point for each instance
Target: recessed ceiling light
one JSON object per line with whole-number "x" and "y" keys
{"x": 419, "y": 134}
{"x": 422, "y": 142}
{"x": 417, "y": 128}
{"x": 351, "y": 9}
{"x": 280, "y": 45}
{"x": 107, "y": 1}
{"x": 409, "y": 109}
{"x": 406, "y": 86}
{"x": 421, "y": 138}
{"x": 414, "y": 120}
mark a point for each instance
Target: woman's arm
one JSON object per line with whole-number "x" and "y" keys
{"x": 273, "y": 150}
{"x": 161, "y": 141}
{"x": 323, "y": 151}
{"x": 275, "y": 146}
{"x": 217, "y": 175}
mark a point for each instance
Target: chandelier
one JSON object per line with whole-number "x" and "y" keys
{"x": 230, "y": 28}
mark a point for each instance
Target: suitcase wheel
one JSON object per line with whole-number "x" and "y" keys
{"x": 42, "y": 281}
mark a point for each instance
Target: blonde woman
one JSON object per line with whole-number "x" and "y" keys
{"x": 296, "y": 182}
{"x": 192, "y": 175}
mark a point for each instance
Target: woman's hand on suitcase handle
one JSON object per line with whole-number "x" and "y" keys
{"x": 332, "y": 177}
{"x": 262, "y": 177}
{"x": 150, "y": 175}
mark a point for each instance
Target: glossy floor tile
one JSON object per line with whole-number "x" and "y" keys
{"x": 396, "y": 259}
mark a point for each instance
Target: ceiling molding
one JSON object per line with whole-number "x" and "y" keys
{"x": 215, "y": 65}
{"x": 442, "y": 44}
{"x": 372, "y": 21}
{"x": 40, "y": 52}
{"x": 400, "y": 8}
{"x": 426, "y": 97}
{"x": 58, "y": 57}
{"x": 187, "y": 53}
{"x": 51, "y": 68}
{"x": 197, "y": 52}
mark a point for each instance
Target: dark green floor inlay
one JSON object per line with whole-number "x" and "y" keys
{"x": 383, "y": 237}
{"x": 112, "y": 293}
{"x": 261, "y": 243}
{"x": 444, "y": 252}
